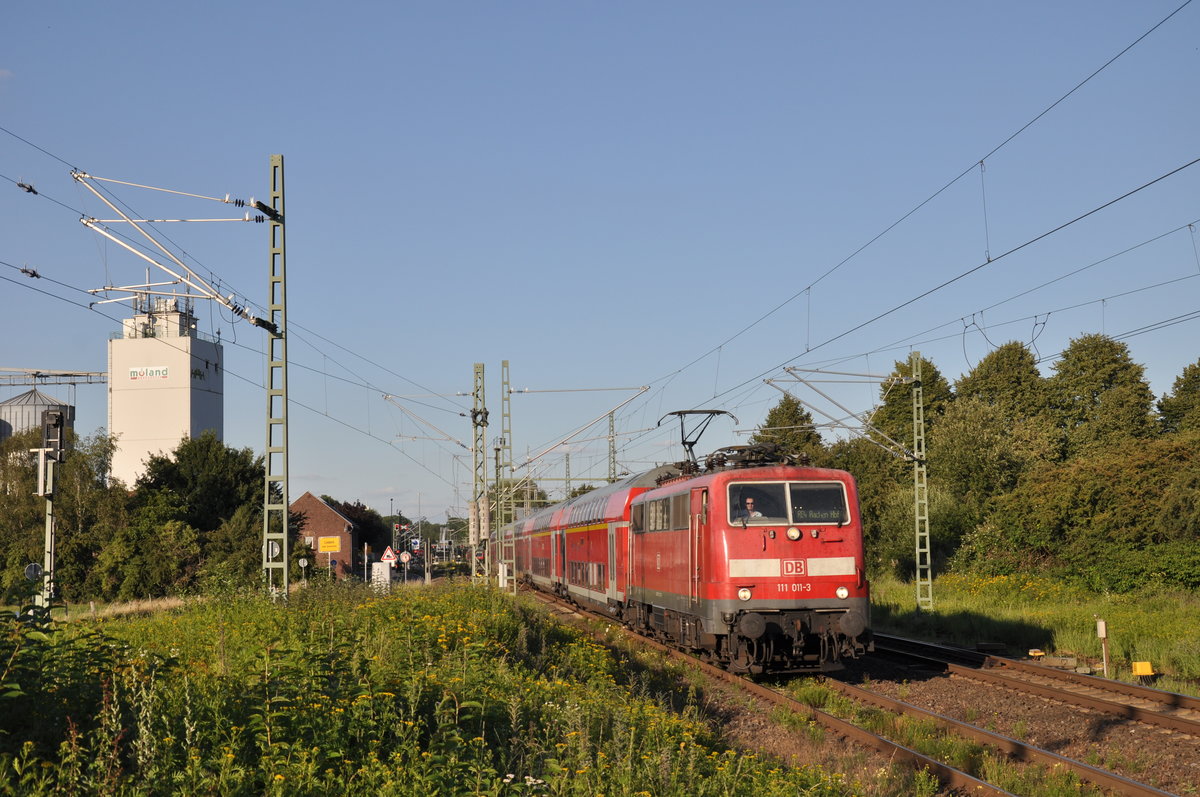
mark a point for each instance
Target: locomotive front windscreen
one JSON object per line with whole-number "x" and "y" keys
{"x": 755, "y": 503}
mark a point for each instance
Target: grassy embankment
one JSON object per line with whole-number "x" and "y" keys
{"x": 443, "y": 690}
{"x": 1029, "y": 612}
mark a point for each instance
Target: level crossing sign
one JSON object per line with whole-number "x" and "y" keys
{"x": 388, "y": 556}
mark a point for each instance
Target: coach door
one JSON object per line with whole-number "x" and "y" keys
{"x": 612, "y": 561}
{"x": 697, "y": 533}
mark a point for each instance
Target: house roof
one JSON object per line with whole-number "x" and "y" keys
{"x": 347, "y": 520}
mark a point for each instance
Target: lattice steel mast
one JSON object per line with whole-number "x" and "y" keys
{"x": 275, "y": 499}
{"x": 506, "y": 505}
{"x": 480, "y": 525}
{"x": 920, "y": 489}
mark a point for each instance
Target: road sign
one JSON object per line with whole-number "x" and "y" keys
{"x": 405, "y": 557}
{"x": 388, "y": 556}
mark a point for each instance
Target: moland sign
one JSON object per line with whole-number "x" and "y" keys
{"x": 152, "y": 372}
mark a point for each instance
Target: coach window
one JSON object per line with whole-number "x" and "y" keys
{"x": 635, "y": 517}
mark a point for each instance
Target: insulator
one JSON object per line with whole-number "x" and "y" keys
{"x": 259, "y": 219}
{"x": 239, "y": 203}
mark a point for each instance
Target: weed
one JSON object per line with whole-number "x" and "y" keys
{"x": 461, "y": 689}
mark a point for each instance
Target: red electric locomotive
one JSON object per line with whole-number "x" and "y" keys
{"x": 754, "y": 564}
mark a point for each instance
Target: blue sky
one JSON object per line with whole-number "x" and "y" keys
{"x": 607, "y": 195}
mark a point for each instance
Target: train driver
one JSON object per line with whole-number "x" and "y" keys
{"x": 746, "y": 511}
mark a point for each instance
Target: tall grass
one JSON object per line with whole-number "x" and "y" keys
{"x": 452, "y": 690}
{"x": 1033, "y": 612}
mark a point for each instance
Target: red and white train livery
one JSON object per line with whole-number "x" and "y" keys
{"x": 757, "y": 567}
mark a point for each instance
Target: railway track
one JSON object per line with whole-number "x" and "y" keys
{"x": 1175, "y": 712}
{"x": 951, "y": 777}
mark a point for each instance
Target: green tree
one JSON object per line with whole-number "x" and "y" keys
{"x": 790, "y": 426}
{"x": 89, "y": 513}
{"x": 211, "y": 479}
{"x": 1008, "y": 379}
{"x": 1180, "y": 409}
{"x": 894, "y": 416}
{"x": 22, "y": 515}
{"x": 893, "y": 548}
{"x": 580, "y": 490}
{"x": 1100, "y": 395}
{"x": 233, "y": 553}
{"x": 1120, "y": 518}
{"x": 978, "y": 452}
{"x": 157, "y": 553}
{"x": 877, "y": 474}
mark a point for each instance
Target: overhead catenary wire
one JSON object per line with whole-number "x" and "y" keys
{"x": 967, "y": 170}
{"x": 233, "y": 373}
{"x": 808, "y": 342}
{"x": 137, "y": 247}
{"x": 982, "y": 265}
{"x": 986, "y": 263}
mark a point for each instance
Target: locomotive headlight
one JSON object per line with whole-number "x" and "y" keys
{"x": 744, "y": 594}
{"x": 793, "y": 533}
{"x": 843, "y": 593}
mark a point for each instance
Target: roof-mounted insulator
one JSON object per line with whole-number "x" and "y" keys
{"x": 27, "y": 188}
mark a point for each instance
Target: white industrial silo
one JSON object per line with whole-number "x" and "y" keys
{"x": 165, "y": 382}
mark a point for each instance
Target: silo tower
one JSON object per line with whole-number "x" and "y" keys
{"x": 165, "y": 382}
{"x": 24, "y": 412}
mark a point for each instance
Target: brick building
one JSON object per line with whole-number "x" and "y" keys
{"x": 330, "y": 534}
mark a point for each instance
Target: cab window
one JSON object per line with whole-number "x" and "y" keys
{"x": 756, "y": 503}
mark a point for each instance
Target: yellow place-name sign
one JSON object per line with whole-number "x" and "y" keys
{"x": 329, "y": 544}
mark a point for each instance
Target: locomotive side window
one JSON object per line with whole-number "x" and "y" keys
{"x": 818, "y": 502}
{"x": 658, "y": 515}
{"x": 663, "y": 514}
{"x": 679, "y": 511}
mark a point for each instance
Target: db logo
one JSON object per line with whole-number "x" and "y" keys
{"x": 793, "y": 567}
